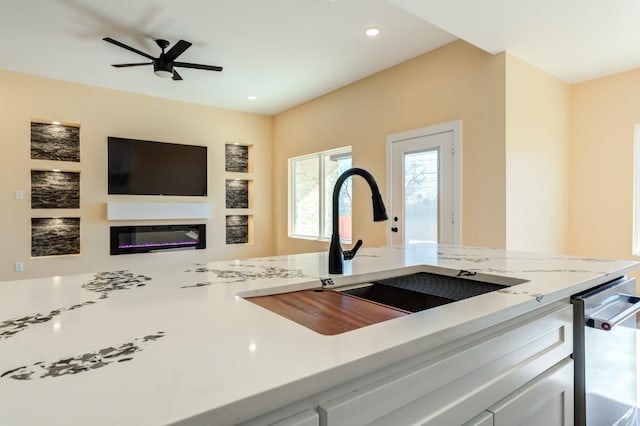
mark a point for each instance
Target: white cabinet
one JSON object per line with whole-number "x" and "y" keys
{"x": 306, "y": 418}
{"x": 483, "y": 419}
{"x": 546, "y": 400}
{"x": 518, "y": 371}
{"x": 455, "y": 386}
{"x": 287, "y": 416}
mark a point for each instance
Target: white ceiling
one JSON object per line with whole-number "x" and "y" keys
{"x": 574, "y": 40}
{"x": 286, "y": 52}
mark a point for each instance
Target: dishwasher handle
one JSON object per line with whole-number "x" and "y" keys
{"x": 612, "y": 311}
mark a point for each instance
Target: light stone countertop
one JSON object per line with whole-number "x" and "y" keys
{"x": 159, "y": 346}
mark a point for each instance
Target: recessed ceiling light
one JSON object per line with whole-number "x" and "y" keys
{"x": 55, "y": 170}
{"x": 251, "y": 98}
{"x": 55, "y": 122}
{"x": 372, "y": 32}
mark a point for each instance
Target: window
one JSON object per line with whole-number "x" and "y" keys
{"x": 311, "y": 181}
{"x": 636, "y": 192}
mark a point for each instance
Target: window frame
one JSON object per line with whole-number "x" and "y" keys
{"x": 635, "y": 249}
{"x": 322, "y": 223}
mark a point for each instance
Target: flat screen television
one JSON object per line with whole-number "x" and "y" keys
{"x": 138, "y": 167}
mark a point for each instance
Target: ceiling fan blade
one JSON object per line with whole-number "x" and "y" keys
{"x": 176, "y": 76}
{"x": 124, "y": 46}
{"x": 177, "y": 50}
{"x": 197, "y": 66}
{"x": 131, "y": 65}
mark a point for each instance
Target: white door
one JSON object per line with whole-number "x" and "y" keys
{"x": 424, "y": 185}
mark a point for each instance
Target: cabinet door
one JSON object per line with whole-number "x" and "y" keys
{"x": 547, "y": 400}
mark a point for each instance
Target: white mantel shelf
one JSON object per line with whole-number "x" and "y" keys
{"x": 158, "y": 346}
{"x": 157, "y": 211}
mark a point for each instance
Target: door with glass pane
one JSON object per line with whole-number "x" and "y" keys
{"x": 423, "y": 190}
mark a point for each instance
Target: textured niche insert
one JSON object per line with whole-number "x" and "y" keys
{"x": 55, "y": 236}
{"x": 55, "y": 190}
{"x": 55, "y": 142}
{"x": 237, "y": 194}
{"x": 237, "y": 229}
{"x": 236, "y": 158}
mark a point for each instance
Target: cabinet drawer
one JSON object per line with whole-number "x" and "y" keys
{"x": 454, "y": 387}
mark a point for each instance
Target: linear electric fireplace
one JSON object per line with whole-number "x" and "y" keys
{"x": 144, "y": 239}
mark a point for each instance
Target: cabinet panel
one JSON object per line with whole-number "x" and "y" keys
{"x": 483, "y": 419}
{"x": 306, "y": 418}
{"x": 452, "y": 388}
{"x": 547, "y": 400}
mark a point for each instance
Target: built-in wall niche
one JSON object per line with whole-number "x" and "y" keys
{"x": 55, "y": 189}
{"x": 238, "y": 193}
{"x": 55, "y": 236}
{"x": 237, "y": 158}
{"x": 239, "y": 229}
{"x": 58, "y": 142}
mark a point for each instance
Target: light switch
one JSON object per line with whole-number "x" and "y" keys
{"x": 19, "y": 195}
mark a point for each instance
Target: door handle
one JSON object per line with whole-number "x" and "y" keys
{"x": 623, "y": 305}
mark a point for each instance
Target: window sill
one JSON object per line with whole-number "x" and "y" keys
{"x": 321, "y": 240}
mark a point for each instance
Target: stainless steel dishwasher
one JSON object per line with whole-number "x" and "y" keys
{"x": 605, "y": 349}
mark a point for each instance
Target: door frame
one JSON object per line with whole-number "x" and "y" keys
{"x": 456, "y": 128}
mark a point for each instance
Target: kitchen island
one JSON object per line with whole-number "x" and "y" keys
{"x": 182, "y": 346}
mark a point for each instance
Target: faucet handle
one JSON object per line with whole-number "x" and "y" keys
{"x": 350, "y": 254}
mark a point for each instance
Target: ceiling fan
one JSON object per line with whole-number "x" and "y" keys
{"x": 163, "y": 65}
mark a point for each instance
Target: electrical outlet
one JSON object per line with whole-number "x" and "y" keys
{"x": 19, "y": 266}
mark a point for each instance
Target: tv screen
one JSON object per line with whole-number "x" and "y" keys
{"x": 139, "y": 167}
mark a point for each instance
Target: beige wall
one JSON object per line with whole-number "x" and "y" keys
{"x": 565, "y": 150}
{"x": 103, "y": 113}
{"x": 455, "y": 82}
{"x": 537, "y": 158}
{"x": 603, "y": 115}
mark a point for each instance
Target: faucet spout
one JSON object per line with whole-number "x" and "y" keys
{"x": 336, "y": 255}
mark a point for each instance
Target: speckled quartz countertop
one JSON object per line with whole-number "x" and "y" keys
{"x": 170, "y": 345}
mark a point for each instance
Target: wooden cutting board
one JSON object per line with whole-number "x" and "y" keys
{"x": 327, "y": 312}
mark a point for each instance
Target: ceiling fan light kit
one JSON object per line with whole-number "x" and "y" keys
{"x": 163, "y": 65}
{"x": 163, "y": 73}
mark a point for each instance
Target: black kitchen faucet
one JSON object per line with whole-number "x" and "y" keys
{"x": 336, "y": 254}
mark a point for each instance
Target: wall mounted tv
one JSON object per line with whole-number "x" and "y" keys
{"x": 139, "y": 167}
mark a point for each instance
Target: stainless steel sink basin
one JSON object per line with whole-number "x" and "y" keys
{"x": 419, "y": 291}
{"x": 343, "y": 303}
